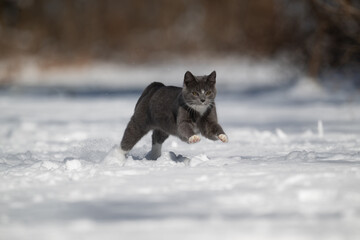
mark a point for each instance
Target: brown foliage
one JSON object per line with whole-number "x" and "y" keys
{"x": 319, "y": 32}
{"x": 337, "y": 34}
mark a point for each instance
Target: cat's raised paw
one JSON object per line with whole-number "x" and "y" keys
{"x": 194, "y": 139}
{"x": 223, "y": 138}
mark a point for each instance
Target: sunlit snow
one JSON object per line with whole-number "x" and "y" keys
{"x": 291, "y": 170}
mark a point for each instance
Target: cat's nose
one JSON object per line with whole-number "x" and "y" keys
{"x": 202, "y": 100}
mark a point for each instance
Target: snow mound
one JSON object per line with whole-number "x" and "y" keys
{"x": 307, "y": 88}
{"x": 199, "y": 160}
{"x": 49, "y": 165}
{"x": 115, "y": 157}
{"x": 74, "y": 164}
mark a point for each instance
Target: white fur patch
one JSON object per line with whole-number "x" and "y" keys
{"x": 200, "y": 108}
{"x": 196, "y": 130}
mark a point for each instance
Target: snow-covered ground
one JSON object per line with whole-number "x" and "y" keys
{"x": 291, "y": 169}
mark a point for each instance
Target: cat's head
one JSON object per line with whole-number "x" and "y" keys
{"x": 199, "y": 90}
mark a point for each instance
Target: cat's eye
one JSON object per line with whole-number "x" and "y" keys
{"x": 195, "y": 94}
{"x": 208, "y": 93}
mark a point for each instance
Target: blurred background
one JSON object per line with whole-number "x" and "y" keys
{"x": 316, "y": 36}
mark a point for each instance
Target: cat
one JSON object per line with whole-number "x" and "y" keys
{"x": 182, "y": 112}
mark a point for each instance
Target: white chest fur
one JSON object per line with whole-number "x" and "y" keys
{"x": 200, "y": 108}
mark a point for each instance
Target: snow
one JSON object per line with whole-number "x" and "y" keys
{"x": 252, "y": 73}
{"x": 291, "y": 169}
{"x": 73, "y": 164}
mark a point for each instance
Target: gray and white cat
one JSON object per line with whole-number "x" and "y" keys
{"x": 182, "y": 112}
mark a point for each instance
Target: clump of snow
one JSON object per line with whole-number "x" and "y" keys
{"x": 74, "y": 164}
{"x": 199, "y": 160}
{"x": 280, "y": 133}
{"x": 49, "y": 165}
{"x": 115, "y": 157}
{"x": 320, "y": 129}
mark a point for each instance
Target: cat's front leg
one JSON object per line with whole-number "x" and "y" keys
{"x": 185, "y": 127}
{"x": 213, "y": 131}
{"x": 210, "y": 128}
{"x": 216, "y": 132}
{"x": 186, "y": 132}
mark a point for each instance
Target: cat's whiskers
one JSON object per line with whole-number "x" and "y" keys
{"x": 190, "y": 109}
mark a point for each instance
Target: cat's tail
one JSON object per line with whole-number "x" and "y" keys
{"x": 149, "y": 91}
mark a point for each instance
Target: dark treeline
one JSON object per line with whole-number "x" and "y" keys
{"x": 318, "y": 33}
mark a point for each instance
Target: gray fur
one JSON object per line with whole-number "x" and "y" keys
{"x": 169, "y": 110}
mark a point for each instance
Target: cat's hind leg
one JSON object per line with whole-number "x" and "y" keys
{"x": 134, "y": 131}
{"x": 158, "y": 137}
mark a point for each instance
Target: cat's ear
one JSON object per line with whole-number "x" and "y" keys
{"x": 212, "y": 78}
{"x": 188, "y": 78}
